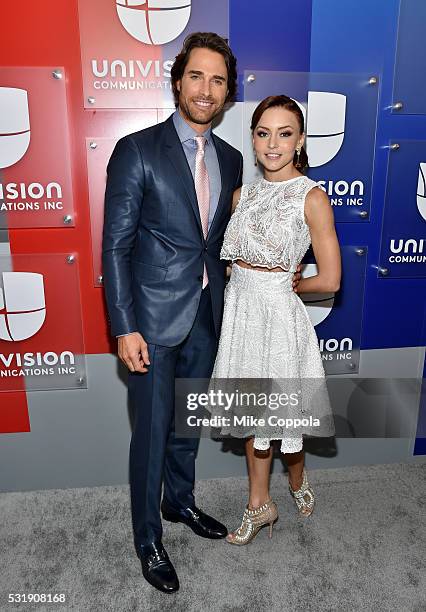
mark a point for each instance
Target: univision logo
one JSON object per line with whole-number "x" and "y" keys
{"x": 154, "y": 22}
{"x": 318, "y": 305}
{"x": 325, "y": 128}
{"x": 421, "y": 190}
{"x": 412, "y": 250}
{"x": 14, "y": 125}
{"x": 22, "y": 299}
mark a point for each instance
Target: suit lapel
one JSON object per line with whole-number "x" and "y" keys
{"x": 177, "y": 157}
{"x": 225, "y": 178}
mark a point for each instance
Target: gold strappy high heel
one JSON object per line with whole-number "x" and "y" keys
{"x": 253, "y": 521}
{"x": 304, "y": 497}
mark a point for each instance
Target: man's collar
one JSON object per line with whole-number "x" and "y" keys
{"x": 185, "y": 131}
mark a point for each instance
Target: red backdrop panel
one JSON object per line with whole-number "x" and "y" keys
{"x": 39, "y": 193}
{"x": 57, "y": 43}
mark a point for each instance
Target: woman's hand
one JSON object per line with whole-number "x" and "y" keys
{"x": 296, "y": 278}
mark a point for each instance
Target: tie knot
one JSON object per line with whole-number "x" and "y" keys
{"x": 201, "y": 143}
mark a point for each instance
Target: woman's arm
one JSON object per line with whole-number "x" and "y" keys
{"x": 235, "y": 200}
{"x": 320, "y": 219}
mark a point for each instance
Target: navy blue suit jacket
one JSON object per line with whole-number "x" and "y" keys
{"x": 153, "y": 245}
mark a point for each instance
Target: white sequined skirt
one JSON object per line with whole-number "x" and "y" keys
{"x": 266, "y": 334}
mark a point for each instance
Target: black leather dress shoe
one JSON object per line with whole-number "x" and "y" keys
{"x": 202, "y": 524}
{"x": 157, "y": 567}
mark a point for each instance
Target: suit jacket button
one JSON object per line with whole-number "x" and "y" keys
{"x": 200, "y": 278}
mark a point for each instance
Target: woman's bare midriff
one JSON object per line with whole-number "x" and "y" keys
{"x": 244, "y": 264}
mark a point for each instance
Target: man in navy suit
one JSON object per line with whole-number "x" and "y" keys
{"x": 168, "y": 201}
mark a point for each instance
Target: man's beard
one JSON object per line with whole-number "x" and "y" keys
{"x": 199, "y": 120}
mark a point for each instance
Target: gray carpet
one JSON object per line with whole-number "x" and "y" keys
{"x": 362, "y": 549}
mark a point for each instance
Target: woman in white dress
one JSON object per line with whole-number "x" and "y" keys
{"x": 266, "y": 332}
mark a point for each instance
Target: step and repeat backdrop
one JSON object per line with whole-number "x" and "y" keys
{"x": 107, "y": 73}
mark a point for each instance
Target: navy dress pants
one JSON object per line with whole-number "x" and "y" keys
{"x": 157, "y": 456}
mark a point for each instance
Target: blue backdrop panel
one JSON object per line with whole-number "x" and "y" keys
{"x": 360, "y": 36}
{"x": 348, "y": 175}
{"x": 352, "y": 36}
{"x": 403, "y": 246}
{"x": 410, "y": 62}
{"x": 271, "y": 35}
{"x": 339, "y": 332}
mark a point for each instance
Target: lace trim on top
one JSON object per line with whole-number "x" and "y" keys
{"x": 268, "y": 227}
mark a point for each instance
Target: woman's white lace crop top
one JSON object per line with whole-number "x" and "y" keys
{"x": 268, "y": 226}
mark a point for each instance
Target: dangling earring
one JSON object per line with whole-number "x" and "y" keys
{"x": 298, "y": 164}
{"x": 255, "y": 158}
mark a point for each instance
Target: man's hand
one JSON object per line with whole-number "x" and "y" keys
{"x": 296, "y": 278}
{"x": 133, "y": 352}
